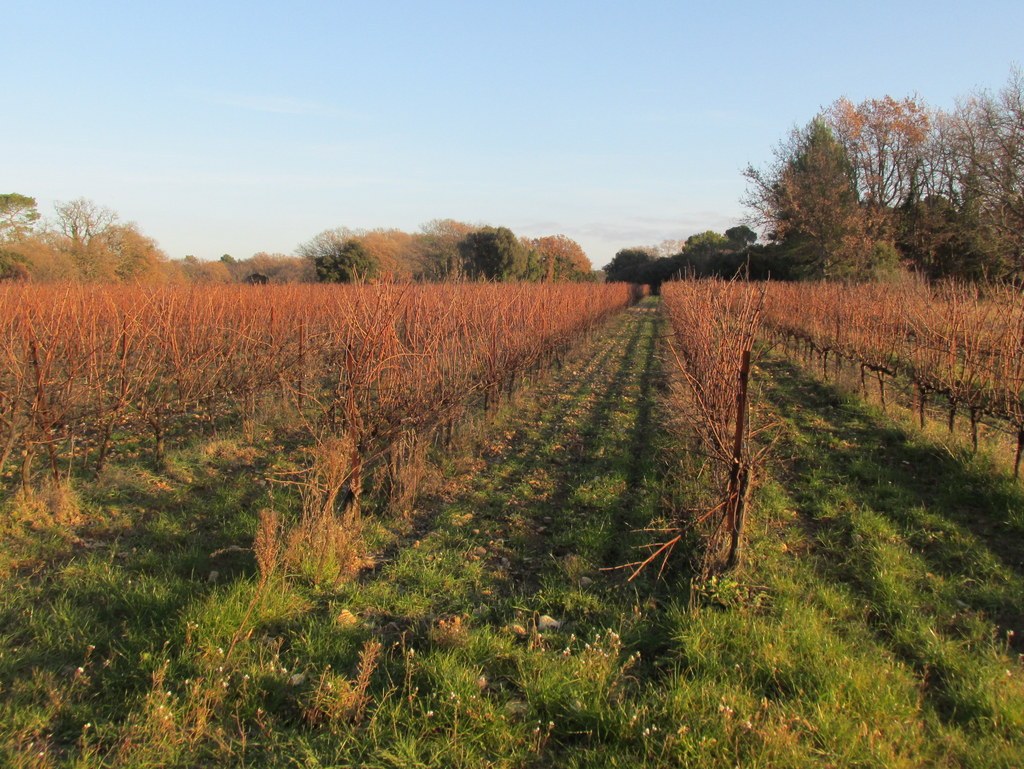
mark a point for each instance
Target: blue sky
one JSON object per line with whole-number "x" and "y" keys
{"x": 224, "y": 127}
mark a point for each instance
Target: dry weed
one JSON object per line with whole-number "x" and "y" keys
{"x": 336, "y": 698}
{"x": 54, "y": 504}
{"x": 267, "y": 545}
{"x": 326, "y": 544}
{"x": 449, "y": 632}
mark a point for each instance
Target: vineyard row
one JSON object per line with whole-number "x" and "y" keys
{"x": 84, "y": 367}
{"x": 963, "y": 343}
{"x": 960, "y": 342}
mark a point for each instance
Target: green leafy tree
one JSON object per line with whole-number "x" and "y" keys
{"x": 706, "y": 244}
{"x": 12, "y": 264}
{"x": 494, "y": 253}
{"x": 18, "y": 215}
{"x": 338, "y": 257}
{"x": 808, "y": 201}
{"x": 629, "y": 265}
{"x": 989, "y": 148}
{"x": 945, "y": 240}
{"x": 740, "y": 237}
{"x": 535, "y": 269}
{"x": 351, "y": 262}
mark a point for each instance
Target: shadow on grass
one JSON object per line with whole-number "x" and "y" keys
{"x": 561, "y": 493}
{"x": 122, "y": 582}
{"x": 599, "y": 420}
{"x": 889, "y": 470}
{"x": 932, "y": 543}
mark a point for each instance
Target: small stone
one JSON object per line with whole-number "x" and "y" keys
{"x": 214, "y": 575}
{"x": 547, "y": 622}
{"x": 480, "y": 552}
{"x": 347, "y": 618}
{"x": 586, "y": 582}
{"x": 518, "y": 630}
{"x": 297, "y": 680}
{"x": 517, "y": 708}
{"x": 482, "y": 683}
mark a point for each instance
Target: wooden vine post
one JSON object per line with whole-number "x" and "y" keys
{"x": 1020, "y": 453}
{"x": 739, "y": 473}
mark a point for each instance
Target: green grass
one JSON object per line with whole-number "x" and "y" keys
{"x": 869, "y": 627}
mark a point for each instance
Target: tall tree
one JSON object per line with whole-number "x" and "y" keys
{"x": 134, "y": 256}
{"x": 18, "y": 215}
{"x": 561, "y": 258}
{"x": 705, "y": 244}
{"x": 968, "y": 217}
{"x": 81, "y": 220}
{"x": 884, "y": 140}
{"x": 195, "y": 271}
{"x": 629, "y": 266}
{"x": 80, "y": 228}
{"x": 395, "y": 253}
{"x": 352, "y": 262}
{"x": 338, "y": 257}
{"x": 494, "y": 253}
{"x": 807, "y": 199}
{"x": 439, "y": 248}
{"x": 995, "y": 178}
{"x": 279, "y": 268}
{"x": 740, "y": 237}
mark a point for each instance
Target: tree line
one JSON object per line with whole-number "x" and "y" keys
{"x": 706, "y": 254}
{"x": 865, "y": 190}
{"x": 869, "y": 191}
{"x": 445, "y": 249}
{"x": 86, "y": 242}
{"x": 81, "y": 241}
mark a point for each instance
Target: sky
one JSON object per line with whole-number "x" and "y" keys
{"x": 223, "y": 127}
